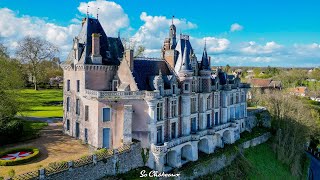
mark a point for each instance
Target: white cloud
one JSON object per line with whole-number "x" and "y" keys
{"x": 111, "y": 15}
{"x": 155, "y": 29}
{"x": 254, "y": 48}
{"x": 236, "y": 27}
{"x": 214, "y": 45}
{"x": 14, "y": 28}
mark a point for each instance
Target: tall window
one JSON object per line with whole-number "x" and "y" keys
{"x": 216, "y": 118}
{"x": 159, "y": 134}
{"x": 194, "y": 86}
{"x": 85, "y": 135}
{"x": 231, "y": 99}
{"x": 86, "y": 113}
{"x": 173, "y": 130}
{"x": 216, "y": 100}
{"x": 186, "y": 87}
{"x": 174, "y": 108}
{"x": 237, "y": 98}
{"x": 68, "y": 124}
{"x": 193, "y": 105}
{"x": 208, "y": 120}
{"x": 159, "y": 111}
{"x": 243, "y": 97}
{"x": 209, "y": 102}
{"x": 78, "y": 107}
{"x": 78, "y": 85}
{"x": 174, "y": 89}
{"x": 106, "y": 114}
{"x": 68, "y": 85}
{"x": 114, "y": 85}
{"x": 68, "y": 104}
{"x": 194, "y": 124}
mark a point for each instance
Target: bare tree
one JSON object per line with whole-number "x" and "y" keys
{"x": 131, "y": 44}
{"x": 34, "y": 50}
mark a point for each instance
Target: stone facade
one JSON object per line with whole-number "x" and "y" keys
{"x": 174, "y": 106}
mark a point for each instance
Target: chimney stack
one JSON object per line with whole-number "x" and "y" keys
{"x": 129, "y": 58}
{"x": 95, "y": 44}
{"x": 96, "y": 57}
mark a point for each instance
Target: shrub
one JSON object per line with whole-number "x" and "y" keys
{"x": 34, "y": 155}
{"x": 12, "y": 128}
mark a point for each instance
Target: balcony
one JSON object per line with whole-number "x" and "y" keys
{"x": 121, "y": 94}
{"x": 177, "y": 141}
{"x": 158, "y": 149}
{"x": 221, "y": 126}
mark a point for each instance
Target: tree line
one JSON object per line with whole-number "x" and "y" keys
{"x": 34, "y": 57}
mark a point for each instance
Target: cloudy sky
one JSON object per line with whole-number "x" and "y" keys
{"x": 247, "y": 32}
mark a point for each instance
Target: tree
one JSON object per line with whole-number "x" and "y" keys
{"x": 139, "y": 52}
{"x": 3, "y": 51}
{"x": 34, "y": 50}
{"x": 130, "y": 44}
{"x": 10, "y": 81}
{"x": 227, "y": 68}
{"x": 293, "y": 123}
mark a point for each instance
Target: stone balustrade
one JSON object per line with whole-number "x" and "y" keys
{"x": 221, "y": 126}
{"x": 195, "y": 137}
{"x": 158, "y": 149}
{"x": 203, "y": 132}
{"x": 121, "y": 94}
{"x": 167, "y": 92}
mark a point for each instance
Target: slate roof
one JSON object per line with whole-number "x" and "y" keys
{"x": 145, "y": 70}
{"x": 181, "y": 45}
{"x": 107, "y": 44}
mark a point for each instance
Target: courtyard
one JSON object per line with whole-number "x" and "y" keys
{"x": 54, "y": 146}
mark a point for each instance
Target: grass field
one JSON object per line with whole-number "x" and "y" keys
{"x": 266, "y": 166}
{"x": 42, "y": 103}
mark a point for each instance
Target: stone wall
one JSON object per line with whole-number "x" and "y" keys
{"x": 251, "y": 120}
{"x": 218, "y": 163}
{"x": 119, "y": 163}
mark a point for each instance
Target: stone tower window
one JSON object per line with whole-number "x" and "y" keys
{"x": 159, "y": 111}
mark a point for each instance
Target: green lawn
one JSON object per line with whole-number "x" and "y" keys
{"x": 42, "y": 103}
{"x": 265, "y": 163}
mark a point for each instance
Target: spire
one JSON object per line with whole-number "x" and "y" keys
{"x": 185, "y": 59}
{"x": 205, "y": 61}
{"x": 172, "y": 20}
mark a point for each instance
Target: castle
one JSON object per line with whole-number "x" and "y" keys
{"x": 174, "y": 105}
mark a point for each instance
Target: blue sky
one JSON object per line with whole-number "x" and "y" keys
{"x": 276, "y": 33}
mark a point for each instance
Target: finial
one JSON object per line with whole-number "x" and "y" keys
{"x": 88, "y": 11}
{"x": 98, "y": 13}
{"x": 172, "y": 20}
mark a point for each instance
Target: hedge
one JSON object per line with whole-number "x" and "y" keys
{"x": 32, "y": 156}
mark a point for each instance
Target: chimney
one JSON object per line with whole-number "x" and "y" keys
{"x": 129, "y": 58}
{"x": 95, "y": 44}
{"x": 95, "y": 54}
